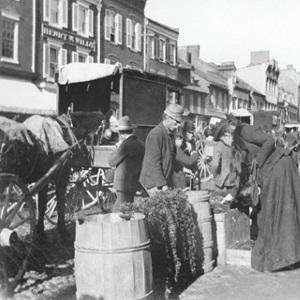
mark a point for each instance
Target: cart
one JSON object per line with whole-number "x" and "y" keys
{"x": 87, "y": 87}
{"x": 17, "y": 224}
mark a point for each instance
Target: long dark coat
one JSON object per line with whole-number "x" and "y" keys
{"x": 127, "y": 159}
{"x": 278, "y": 241}
{"x": 160, "y": 153}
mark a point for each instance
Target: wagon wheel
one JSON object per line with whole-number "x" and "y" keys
{"x": 101, "y": 181}
{"x": 81, "y": 194}
{"x": 17, "y": 219}
{"x": 51, "y": 210}
{"x": 204, "y": 163}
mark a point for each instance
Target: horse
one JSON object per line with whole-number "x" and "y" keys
{"x": 29, "y": 149}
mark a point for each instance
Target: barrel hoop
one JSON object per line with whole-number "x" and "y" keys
{"x": 204, "y": 220}
{"x": 208, "y": 244}
{"x": 135, "y": 248}
{"x": 78, "y": 297}
{"x": 143, "y": 297}
{"x": 200, "y": 199}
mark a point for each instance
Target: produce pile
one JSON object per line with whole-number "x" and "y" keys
{"x": 172, "y": 234}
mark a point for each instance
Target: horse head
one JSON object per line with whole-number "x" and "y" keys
{"x": 88, "y": 125}
{"x": 81, "y": 156}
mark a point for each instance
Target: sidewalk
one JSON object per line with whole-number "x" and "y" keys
{"x": 231, "y": 282}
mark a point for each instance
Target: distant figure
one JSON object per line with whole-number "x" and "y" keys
{"x": 127, "y": 159}
{"x": 184, "y": 165}
{"x": 221, "y": 162}
{"x": 188, "y": 130}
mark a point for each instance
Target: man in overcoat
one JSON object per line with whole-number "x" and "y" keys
{"x": 127, "y": 160}
{"x": 160, "y": 152}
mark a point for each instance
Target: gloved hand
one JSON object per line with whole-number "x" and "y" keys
{"x": 227, "y": 198}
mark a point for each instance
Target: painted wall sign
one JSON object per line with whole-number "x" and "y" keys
{"x": 68, "y": 37}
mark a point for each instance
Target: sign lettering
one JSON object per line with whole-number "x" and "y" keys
{"x": 68, "y": 37}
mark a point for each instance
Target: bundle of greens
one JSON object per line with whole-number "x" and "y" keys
{"x": 172, "y": 233}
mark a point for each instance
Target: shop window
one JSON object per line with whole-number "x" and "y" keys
{"x": 133, "y": 35}
{"x": 56, "y": 12}
{"x": 113, "y": 27}
{"x": 10, "y": 37}
{"x": 83, "y": 19}
{"x": 82, "y": 58}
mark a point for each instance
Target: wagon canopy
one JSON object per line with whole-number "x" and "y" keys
{"x": 82, "y": 72}
{"x": 87, "y": 86}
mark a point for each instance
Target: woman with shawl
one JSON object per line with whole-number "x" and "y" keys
{"x": 276, "y": 195}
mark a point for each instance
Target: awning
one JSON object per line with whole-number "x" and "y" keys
{"x": 82, "y": 72}
{"x": 241, "y": 112}
{"x": 21, "y": 96}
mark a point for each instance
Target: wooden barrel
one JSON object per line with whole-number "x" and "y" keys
{"x": 113, "y": 258}
{"x": 204, "y": 238}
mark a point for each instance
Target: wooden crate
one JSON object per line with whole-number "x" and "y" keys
{"x": 230, "y": 228}
{"x": 100, "y": 155}
{"x": 238, "y": 257}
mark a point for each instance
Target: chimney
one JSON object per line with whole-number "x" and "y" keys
{"x": 194, "y": 53}
{"x": 258, "y": 57}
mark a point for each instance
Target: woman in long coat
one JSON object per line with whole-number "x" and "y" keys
{"x": 278, "y": 241}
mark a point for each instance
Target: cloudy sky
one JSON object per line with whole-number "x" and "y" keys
{"x": 228, "y": 30}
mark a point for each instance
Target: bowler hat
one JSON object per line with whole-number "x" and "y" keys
{"x": 188, "y": 126}
{"x": 175, "y": 111}
{"x": 124, "y": 124}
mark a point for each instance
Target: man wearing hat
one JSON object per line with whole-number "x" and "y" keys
{"x": 160, "y": 152}
{"x": 127, "y": 159}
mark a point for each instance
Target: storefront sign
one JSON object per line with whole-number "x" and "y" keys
{"x": 68, "y": 37}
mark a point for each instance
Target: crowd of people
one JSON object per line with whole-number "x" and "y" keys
{"x": 243, "y": 154}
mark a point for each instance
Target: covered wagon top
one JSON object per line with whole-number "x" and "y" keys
{"x": 83, "y": 72}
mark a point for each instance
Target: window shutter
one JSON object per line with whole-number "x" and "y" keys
{"x": 138, "y": 37}
{"x": 128, "y": 33}
{"x": 63, "y": 57}
{"x": 65, "y": 13}
{"x": 46, "y": 56}
{"x": 74, "y": 56}
{"x": 152, "y": 47}
{"x": 168, "y": 48}
{"x": 47, "y": 10}
{"x": 90, "y": 59}
{"x": 91, "y": 22}
{"x": 107, "y": 28}
{"x": 119, "y": 29}
{"x": 156, "y": 47}
{"x": 75, "y": 16}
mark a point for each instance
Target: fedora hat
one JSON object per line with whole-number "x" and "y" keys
{"x": 222, "y": 128}
{"x": 175, "y": 111}
{"x": 124, "y": 124}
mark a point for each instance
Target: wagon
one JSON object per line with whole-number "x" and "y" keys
{"x": 87, "y": 87}
{"x": 17, "y": 223}
{"x": 90, "y": 91}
